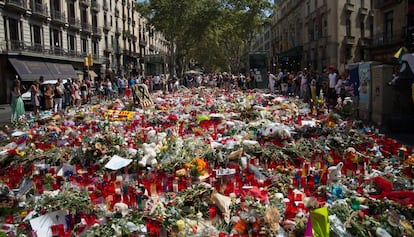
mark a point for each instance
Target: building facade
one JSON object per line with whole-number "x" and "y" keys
{"x": 394, "y": 28}
{"x": 319, "y": 33}
{"x": 52, "y": 37}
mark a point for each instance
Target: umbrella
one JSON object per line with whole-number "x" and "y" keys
{"x": 193, "y": 72}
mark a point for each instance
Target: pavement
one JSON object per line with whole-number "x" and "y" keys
{"x": 406, "y": 138}
{"x": 5, "y": 114}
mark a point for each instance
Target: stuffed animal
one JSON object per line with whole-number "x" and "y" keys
{"x": 150, "y": 153}
{"x": 276, "y": 130}
{"x": 334, "y": 173}
{"x": 121, "y": 208}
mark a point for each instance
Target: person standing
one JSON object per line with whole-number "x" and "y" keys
{"x": 272, "y": 81}
{"x": 58, "y": 97}
{"x": 35, "y": 97}
{"x": 333, "y": 77}
{"x": 49, "y": 95}
{"x": 17, "y": 105}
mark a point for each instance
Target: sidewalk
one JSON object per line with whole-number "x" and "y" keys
{"x": 5, "y": 114}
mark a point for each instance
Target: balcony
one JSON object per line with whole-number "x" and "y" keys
{"x": 59, "y": 17}
{"x": 364, "y": 42}
{"x": 382, "y": 4}
{"x": 118, "y": 50}
{"x": 349, "y": 7}
{"x": 39, "y": 50}
{"x": 108, "y": 49}
{"x": 74, "y": 23}
{"x": 105, "y": 6}
{"x": 85, "y": 3}
{"x": 349, "y": 40}
{"x": 118, "y": 31}
{"x": 107, "y": 27}
{"x": 363, "y": 11}
{"x": 152, "y": 47}
{"x": 142, "y": 42}
{"x": 126, "y": 34}
{"x": 389, "y": 38}
{"x": 97, "y": 32}
{"x": 40, "y": 10}
{"x": 134, "y": 38}
{"x": 86, "y": 28}
{"x": 96, "y": 7}
{"x": 17, "y": 5}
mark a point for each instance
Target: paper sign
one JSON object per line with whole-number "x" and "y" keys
{"x": 117, "y": 163}
{"x": 141, "y": 95}
{"x": 43, "y": 223}
{"x": 309, "y": 123}
{"x": 66, "y": 168}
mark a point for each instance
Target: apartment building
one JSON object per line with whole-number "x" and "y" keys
{"x": 319, "y": 33}
{"x": 51, "y": 38}
{"x": 394, "y": 28}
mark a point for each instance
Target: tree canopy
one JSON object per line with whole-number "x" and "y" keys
{"x": 215, "y": 33}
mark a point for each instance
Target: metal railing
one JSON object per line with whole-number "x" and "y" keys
{"x": 59, "y": 16}
{"x": 389, "y": 38}
{"x": 95, "y": 6}
{"x": 85, "y": 2}
{"x": 18, "y": 46}
{"x": 86, "y": 27}
{"x": 40, "y": 9}
{"x": 74, "y": 22}
{"x": 97, "y": 31}
{"x": 22, "y": 4}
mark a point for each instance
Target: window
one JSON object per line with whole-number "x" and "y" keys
{"x": 84, "y": 46}
{"x": 71, "y": 10}
{"x": 388, "y": 21}
{"x": 72, "y": 43}
{"x": 325, "y": 26}
{"x": 316, "y": 4}
{"x": 36, "y": 35}
{"x": 56, "y": 5}
{"x": 362, "y": 28}
{"x": 308, "y": 8}
{"x": 362, "y": 3}
{"x": 55, "y": 38}
{"x": 348, "y": 27}
{"x": 95, "y": 48}
{"x": 14, "y": 29}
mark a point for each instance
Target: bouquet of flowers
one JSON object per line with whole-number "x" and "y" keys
{"x": 197, "y": 167}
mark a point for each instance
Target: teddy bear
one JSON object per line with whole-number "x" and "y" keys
{"x": 121, "y": 208}
{"x": 150, "y": 153}
{"x": 334, "y": 173}
{"x": 276, "y": 130}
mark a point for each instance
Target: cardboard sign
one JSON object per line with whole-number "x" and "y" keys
{"x": 141, "y": 95}
{"x": 43, "y": 223}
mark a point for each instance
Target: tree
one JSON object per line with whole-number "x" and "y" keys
{"x": 215, "y": 32}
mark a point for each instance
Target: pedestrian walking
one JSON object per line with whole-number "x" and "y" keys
{"x": 17, "y": 105}
{"x": 35, "y": 97}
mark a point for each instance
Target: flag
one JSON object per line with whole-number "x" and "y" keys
{"x": 320, "y": 222}
{"x": 308, "y": 230}
{"x": 400, "y": 53}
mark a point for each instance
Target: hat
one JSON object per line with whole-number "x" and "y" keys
{"x": 331, "y": 67}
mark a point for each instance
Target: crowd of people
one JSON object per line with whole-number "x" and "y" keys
{"x": 55, "y": 95}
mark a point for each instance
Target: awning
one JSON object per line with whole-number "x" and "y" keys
{"x": 61, "y": 70}
{"x": 92, "y": 73}
{"x": 29, "y": 70}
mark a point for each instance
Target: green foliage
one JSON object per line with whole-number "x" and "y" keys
{"x": 215, "y": 33}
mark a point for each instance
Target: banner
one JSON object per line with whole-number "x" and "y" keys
{"x": 119, "y": 115}
{"x": 141, "y": 95}
{"x": 365, "y": 86}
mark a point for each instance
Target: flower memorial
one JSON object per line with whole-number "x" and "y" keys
{"x": 204, "y": 162}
